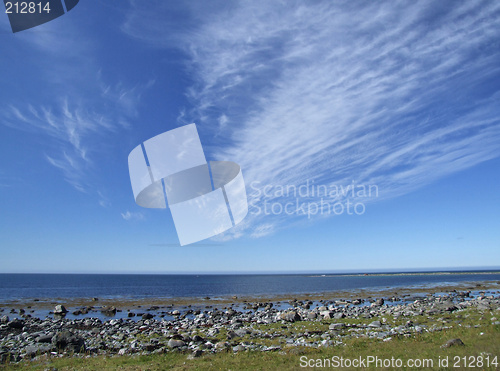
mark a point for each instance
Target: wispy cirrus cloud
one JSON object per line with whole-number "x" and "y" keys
{"x": 132, "y": 216}
{"x": 68, "y": 127}
{"x": 125, "y": 97}
{"x": 7, "y": 181}
{"x": 75, "y": 125}
{"x": 392, "y": 94}
{"x": 79, "y": 106}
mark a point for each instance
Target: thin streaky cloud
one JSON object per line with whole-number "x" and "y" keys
{"x": 103, "y": 200}
{"x": 128, "y": 216}
{"x": 75, "y": 126}
{"x": 79, "y": 107}
{"x": 8, "y": 181}
{"x": 393, "y": 94}
{"x": 176, "y": 245}
{"x": 375, "y": 101}
{"x": 126, "y": 97}
{"x": 334, "y": 116}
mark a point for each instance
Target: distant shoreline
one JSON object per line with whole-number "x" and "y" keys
{"x": 310, "y": 274}
{"x": 437, "y": 273}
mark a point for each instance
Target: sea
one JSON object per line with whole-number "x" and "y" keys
{"x": 15, "y": 287}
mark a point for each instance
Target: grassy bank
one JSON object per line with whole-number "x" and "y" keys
{"x": 475, "y": 328}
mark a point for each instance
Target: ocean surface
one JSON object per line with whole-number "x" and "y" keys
{"x": 118, "y": 286}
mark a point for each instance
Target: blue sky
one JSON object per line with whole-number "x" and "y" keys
{"x": 401, "y": 96}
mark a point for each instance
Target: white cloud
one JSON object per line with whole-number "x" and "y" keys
{"x": 8, "y": 181}
{"x": 384, "y": 93}
{"x": 132, "y": 216}
{"x": 127, "y": 98}
{"x": 78, "y": 107}
{"x": 393, "y": 94}
{"x": 262, "y": 230}
{"x": 73, "y": 127}
{"x": 103, "y": 200}
{"x": 223, "y": 120}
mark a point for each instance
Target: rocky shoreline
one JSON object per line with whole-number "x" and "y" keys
{"x": 253, "y": 326}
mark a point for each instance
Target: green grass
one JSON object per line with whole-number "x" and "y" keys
{"x": 481, "y": 340}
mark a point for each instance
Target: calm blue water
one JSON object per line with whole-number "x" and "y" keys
{"x": 23, "y": 286}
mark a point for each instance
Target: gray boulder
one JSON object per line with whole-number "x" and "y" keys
{"x": 108, "y": 311}
{"x": 242, "y": 332}
{"x": 198, "y": 339}
{"x": 196, "y": 353}
{"x": 60, "y": 310}
{"x": 337, "y": 326}
{"x": 452, "y": 343}
{"x": 34, "y": 350}
{"x": 66, "y": 340}
{"x": 232, "y": 335}
{"x": 16, "y": 323}
{"x": 172, "y": 343}
{"x": 290, "y": 316}
{"x": 311, "y": 315}
{"x": 221, "y": 345}
{"x": 483, "y": 305}
{"x": 44, "y": 338}
{"x": 375, "y": 324}
{"x": 238, "y": 348}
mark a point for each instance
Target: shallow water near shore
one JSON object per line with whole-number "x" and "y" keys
{"x": 187, "y": 310}
{"x": 118, "y": 286}
{"x": 398, "y": 288}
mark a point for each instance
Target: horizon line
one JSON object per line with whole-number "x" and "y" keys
{"x": 485, "y": 269}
